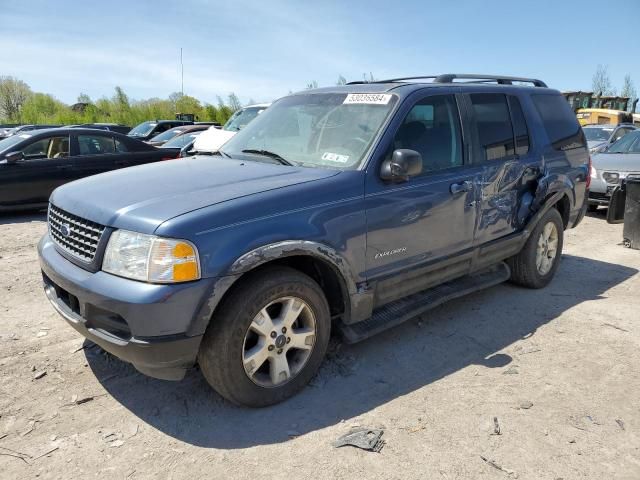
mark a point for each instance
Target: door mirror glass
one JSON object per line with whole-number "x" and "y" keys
{"x": 13, "y": 157}
{"x": 404, "y": 163}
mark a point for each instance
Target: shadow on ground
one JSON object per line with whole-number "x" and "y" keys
{"x": 356, "y": 379}
{"x": 23, "y": 217}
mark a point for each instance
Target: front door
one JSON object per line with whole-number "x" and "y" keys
{"x": 420, "y": 232}
{"x": 30, "y": 181}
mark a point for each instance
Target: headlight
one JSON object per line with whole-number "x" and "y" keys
{"x": 611, "y": 177}
{"x": 150, "y": 259}
{"x": 594, "y": 172}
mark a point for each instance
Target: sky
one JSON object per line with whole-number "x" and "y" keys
{"x": 261, "y": 50}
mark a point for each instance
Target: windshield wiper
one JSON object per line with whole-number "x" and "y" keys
{"x": 221, "y": 153}
{"x": 267, "y": 153}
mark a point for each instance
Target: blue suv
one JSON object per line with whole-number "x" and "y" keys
{"x": 347, "y": 209}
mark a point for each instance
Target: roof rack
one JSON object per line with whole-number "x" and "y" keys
{"x": 477, "y": 78}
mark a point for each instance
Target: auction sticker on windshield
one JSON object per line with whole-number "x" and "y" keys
{"x": 335, "y": 157}
{"x": 367, "y": 98}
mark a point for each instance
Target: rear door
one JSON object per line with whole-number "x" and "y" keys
{"x": 93, "y": 153}
{"x": 420, "y": 232}
{"x": 502, "y": 149}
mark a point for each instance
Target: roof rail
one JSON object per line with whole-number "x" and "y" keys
{"x": 477, "y": 78}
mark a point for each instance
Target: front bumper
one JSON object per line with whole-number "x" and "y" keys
{"x": 140, "y": 323}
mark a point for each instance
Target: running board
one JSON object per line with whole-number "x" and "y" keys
{"x": 400, "y": 311}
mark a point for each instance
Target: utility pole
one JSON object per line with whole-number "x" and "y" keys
{"x": 181, "y": 75}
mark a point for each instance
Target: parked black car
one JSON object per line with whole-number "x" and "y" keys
{"x": 112, "y": 127}
{"x": 150, "y": 129}
{"x": 33, "y": 164}
{"x": 29, "y": 128}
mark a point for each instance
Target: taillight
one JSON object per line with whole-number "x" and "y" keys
{"x": 169, "y": 158}
{"x": 589, "y": 172}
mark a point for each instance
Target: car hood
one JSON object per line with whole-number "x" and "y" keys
{"x": 142, "y": 198}
{"x": 617, "y": 162}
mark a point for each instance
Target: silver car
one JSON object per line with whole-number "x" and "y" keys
{"x": 600, "y": 137}
{"x": 611, "y": 166}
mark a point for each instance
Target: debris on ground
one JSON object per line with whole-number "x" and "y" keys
{"x": 364, "y": 438}
{"x": 526, "y": 405}
{"x": 496, "y": 426}
{"x": 620, "y": 423}
{"x": 511, "y": 371}
{"x": 39, "y": 375}
{"x": 615, "y": 326}
{"x": 79, "y": 401}
{"x": 508, "y": 471}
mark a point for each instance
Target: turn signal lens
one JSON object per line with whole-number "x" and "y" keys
{"x": 151, "y": 259}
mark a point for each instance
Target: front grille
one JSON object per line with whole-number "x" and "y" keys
{"x": 74, "y": 234}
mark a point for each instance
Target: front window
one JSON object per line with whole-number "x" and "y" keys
{"x": 142, "y": 130}
{"x": 241, "y": 118}
{"x": 630, "y": 143}
{"x": 7, "y": 144}
{"x": 329, "y": 130}
{"x": 595, "y": 134}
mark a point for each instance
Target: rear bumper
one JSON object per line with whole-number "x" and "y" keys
{"x": 140, "y": 323}
{"x": 599, "y": 198}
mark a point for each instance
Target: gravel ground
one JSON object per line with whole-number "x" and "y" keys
{"x": 557, "y": 369}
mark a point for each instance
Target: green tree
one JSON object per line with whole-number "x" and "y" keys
{"x": 312, "y": 84}
{"x": 84, "y": 98}
{"x": 341, "y": 80}
{"x": 13, "y": 94}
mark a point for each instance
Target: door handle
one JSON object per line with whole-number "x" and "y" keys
{"x": 461, "y": 187}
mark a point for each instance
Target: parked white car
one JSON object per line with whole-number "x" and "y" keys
{"x": 212, "y": 139}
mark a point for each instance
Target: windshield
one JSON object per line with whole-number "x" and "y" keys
{"x": 594, "y": 134}
{"x": 7, "y": 144}
{"x": 168, "y": 135}
{"x": 630, "y": 143}
{"x": 331, "y": 130}
{"x": 142, "y": 130}
{"x": 181, "y": 141}
{"x": 241, "y": 118}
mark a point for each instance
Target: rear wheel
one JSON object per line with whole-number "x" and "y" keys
{"x": 268, "y": 338}
{"x": 537, "y": 262}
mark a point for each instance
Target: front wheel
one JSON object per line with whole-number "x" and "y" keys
{"x": 268, "y": 338}
{"x": 537, "y": 262}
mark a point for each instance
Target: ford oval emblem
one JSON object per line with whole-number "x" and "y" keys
{"x": 65, "y": 229}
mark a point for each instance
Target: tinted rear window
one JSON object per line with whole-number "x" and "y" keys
{"x": 559, "y": 121}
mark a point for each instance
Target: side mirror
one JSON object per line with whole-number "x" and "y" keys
{"x": 14, "y": 157}
{"x": 404, "y": 163}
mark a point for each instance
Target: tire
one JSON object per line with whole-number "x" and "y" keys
{"x": 592, "y": 208}
{"x": 524, "y": 266}
{"x": 234, "y": 333}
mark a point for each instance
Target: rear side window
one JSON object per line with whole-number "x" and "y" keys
{"x": 519, "y": 126}
{"x": 495, "y": 133}
{"x": 95, "y": 145}
{"x": 559, "y": 121}
{"x": 120, "y": 146}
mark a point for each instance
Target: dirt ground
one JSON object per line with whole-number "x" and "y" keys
{"x": 556, "y": 368}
